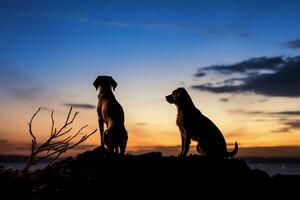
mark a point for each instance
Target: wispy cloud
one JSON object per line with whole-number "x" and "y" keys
{"x": 142, "y": 124}
{"x": 224, "y": 100}
{"x": 294, "y": 44}
{"x": 288, "y": 126}
{"x": 288, "y": 120}
{"x": 166, "y": 26}
{"x": 112, "y": 23}
{"x": 158, "y": 25}
{"x": 80, "y": 105}
{"x": 3, "y": 142}
{"x": 279, "y": 113}
{"x": 85, "y": 147}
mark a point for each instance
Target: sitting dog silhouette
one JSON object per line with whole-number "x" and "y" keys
{"x": 111, "y": 113}
{"x": 193, "y": 125}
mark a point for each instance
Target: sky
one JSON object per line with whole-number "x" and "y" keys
{"x": 237, "y": 59}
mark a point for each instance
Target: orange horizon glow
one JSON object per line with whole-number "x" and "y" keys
{"x": 156, "y": 127}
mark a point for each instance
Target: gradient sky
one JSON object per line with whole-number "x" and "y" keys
{"x": 51, "y": 52}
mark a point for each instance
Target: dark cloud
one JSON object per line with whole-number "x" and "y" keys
{"x": 282, "y": 113}
{"x": 6, "y": 146}
{"x": 265, "y": 76}
{"x": 262, "y": 63}
{"x": 281, "y": 130}
{"x": 293, "y": 124}
{"x": 80, "y": 105}
{"x": 294, "y": 44}
{"x": 244, "y": 34}
{"x": 142, "y": 124}
{"x": 3, "y": 142}
{"x": 85, "y": 147}
{"x": 200, "y": 74}
{"x": 297, "y": 112}
{"x": 224, "y": 99}
{"x": 288, "y": 125}
{"x": 262, "y": 100}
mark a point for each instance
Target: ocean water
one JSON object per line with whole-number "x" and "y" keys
{"x": 270, "y": 168}
{"x": 20, "y": 166}
{"x": 277, "y": 168}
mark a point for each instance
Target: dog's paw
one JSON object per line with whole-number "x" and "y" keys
{"x": 181, "y": 155}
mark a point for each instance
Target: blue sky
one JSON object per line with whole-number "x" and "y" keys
{"x": 51, "y": 51}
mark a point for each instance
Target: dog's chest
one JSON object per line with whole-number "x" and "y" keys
{"x": 180, "y": 120}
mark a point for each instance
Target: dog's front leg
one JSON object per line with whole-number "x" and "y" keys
{"x": 101, "y": 128}
{"x": 186, "y": 145}
{"x": 182, "y": 144}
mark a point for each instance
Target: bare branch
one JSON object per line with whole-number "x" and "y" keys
{"x": 52, "y": 125}
{"x": 33, "y": 143}
{"x": 58, "y": 142}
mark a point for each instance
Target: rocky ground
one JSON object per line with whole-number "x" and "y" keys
{"x": 98, "y": 174}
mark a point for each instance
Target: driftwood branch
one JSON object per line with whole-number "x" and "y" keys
{"x": 60, "y": 140}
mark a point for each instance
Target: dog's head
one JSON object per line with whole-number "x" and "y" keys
{"x": 105, "y": 83}
{"x": 177, "y": 96}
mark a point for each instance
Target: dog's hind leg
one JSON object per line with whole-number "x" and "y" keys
{"x": 116, "y": 149}
{"x": 200, "y": 150}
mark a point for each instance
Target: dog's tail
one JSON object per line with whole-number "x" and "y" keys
{"x": 233, "y": 152}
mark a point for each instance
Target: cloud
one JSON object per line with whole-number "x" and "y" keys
{"x": 224, "y": 99}
{"x": 3, "y": 142}
{"x": 85, "y": 147}
{"x": 289, "y": 120}
{"x": 142, "y": 124}
{"x": 288, "y": 125}
{"x": 111, "y": 23}
{"x": 273, "y": 76}
{"x": 294, "y": 44}
{"x": 80, "y": 105}
{"x": 281, "y": 130}
{"x": 293, "y": 124}
{"x": 156, "y": 25}
{"x": 262, "y": 63}
{"x": 262, "y": 100}
{"x": 282, "y": 113}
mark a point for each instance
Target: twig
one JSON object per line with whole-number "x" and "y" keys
{"x": 52, "y": 146}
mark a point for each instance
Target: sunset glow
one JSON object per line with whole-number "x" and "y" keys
{"x": 52, "y": 52}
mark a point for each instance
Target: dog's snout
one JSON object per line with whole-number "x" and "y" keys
{"x": 169, "y": 98}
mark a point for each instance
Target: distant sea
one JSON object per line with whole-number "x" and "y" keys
{"x": 20, "y": 166}
{"x": 277, "y": 168}
{"x": 270, "y": 168}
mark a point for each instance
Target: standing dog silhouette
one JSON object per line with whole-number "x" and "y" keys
{"x": 193, "y": 125}
{"x": 111, "y": 113}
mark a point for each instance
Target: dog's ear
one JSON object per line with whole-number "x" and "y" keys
{"x": 176, "y": 96}
{"x": 113, "y": 83}
{"x": 96, "y": 83}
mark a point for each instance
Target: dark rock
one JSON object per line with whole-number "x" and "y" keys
{"x": 99, "y": 173}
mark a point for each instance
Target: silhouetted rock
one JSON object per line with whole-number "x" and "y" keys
{"x": 98, "y": 173}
